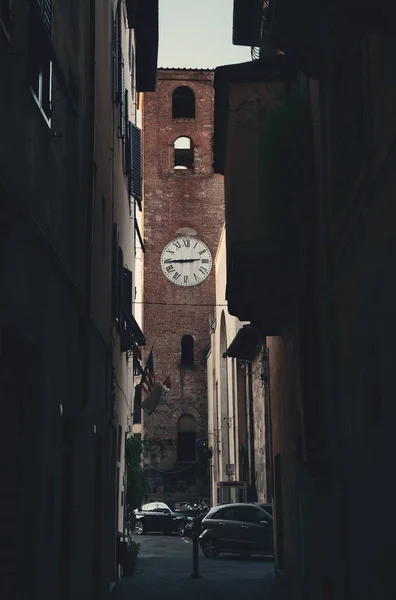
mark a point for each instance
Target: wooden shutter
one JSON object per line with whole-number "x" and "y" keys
{"x": 120, "y": 274}
{"x": 136, "y": 163}
{"x": 127, "y": 153}
{"x": 47, "y": 15}
{"x": 115, "y": 273}
{"x": 117, "y": 55}
{"x": 127, "y": 290}
{"x": 127, "y": 158}
{"x": 123, "y": 100}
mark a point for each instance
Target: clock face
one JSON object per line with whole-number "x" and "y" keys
{"x": 186, "y": 261}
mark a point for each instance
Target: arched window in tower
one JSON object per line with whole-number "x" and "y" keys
{"x": 186, "y": 438}
{"x": 183, "y": 154}
{"x": 187, "y": 351}
{"x": 183, "y": 103}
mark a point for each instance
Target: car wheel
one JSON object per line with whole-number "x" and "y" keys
{"x": 210, "y": 547}
{"x": 181, "y": 530}
{"x": 139, "y": 528}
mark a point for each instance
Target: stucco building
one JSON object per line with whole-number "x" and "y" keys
{"x": 238, "y": 412}
{"x": 183, "y": 216}
{"x": 69, "y": 73}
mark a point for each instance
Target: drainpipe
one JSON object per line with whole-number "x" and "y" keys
{"x": 251, "y": 435}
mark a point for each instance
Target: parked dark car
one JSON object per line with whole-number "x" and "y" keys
{"x": 166, "y": 518}
{"x": 240, "y": 528}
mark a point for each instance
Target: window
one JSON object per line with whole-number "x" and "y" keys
{"x": 183, "y": 103}
{"x": 187, "y": 351}
{"x": 249, "y": 514}
{"x": 228, "y": 514}
{"x": 183, "y": 154}
{"x": 186, "y": 438}
{"x": 39, "y": 56}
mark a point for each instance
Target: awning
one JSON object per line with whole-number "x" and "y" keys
{"x": 245, "y": 345}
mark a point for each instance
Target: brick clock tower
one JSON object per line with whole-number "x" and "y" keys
{"x": 183, "y": 217}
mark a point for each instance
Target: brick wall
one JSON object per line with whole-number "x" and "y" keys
{"x": 174, "y": 200}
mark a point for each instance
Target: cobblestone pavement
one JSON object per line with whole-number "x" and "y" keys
{"x": 164, "y": 571}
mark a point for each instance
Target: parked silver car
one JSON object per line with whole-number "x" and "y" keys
{"x": 241, "y": 528}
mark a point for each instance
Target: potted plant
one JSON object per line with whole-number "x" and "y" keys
{"x": 130, "y": 560}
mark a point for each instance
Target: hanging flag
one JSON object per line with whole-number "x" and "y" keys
{"x": 154, "y": 398}
{"x": 147, "y": 382}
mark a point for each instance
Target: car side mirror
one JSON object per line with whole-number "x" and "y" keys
{"x": 167, "y": 511}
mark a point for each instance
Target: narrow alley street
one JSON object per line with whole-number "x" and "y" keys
{"x": 165, "y": 566}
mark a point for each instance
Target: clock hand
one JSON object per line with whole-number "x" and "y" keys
{"x": 181, "y": 260}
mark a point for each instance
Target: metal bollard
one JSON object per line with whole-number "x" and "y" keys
{"x": 195, "y": 574}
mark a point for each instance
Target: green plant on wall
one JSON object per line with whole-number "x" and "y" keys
{"x": 136, "y": 478}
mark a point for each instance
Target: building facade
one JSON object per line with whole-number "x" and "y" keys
{"x": 66, "y": 329}
{"x": 183, "y": 216}
{"x": 238, "y": 419}
{"x": 321, "y": 180}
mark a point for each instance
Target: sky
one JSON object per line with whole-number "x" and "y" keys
{"x": 198, "y": 34}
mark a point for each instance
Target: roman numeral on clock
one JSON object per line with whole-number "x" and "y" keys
{"x": 176, "y": 276}
{"x": 203, "y": 270}
{"x": 196, "y": 278}
{"x": 170, "y": 268}
{"x": 186, "y": 242}
{"x": 205, "y": 260}
{"x": 186, "y": 279}
{"x": 177, "y": 244}
{"x": 202, "y": 252}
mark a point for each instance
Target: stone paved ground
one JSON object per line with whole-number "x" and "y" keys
{"x": 165, "y": 565}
